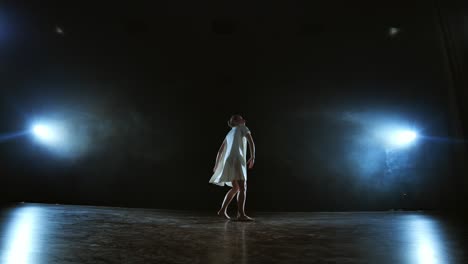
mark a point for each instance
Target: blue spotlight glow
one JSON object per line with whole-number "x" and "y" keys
{"x": 63, "y": 134}
{"x": 403, "y": 137}
{"x": 396, "y": 136}
{"x": 43, "y": 132}
{"x": 50, "y": 133}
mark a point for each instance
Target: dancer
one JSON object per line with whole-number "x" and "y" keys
{"x": 230, "y": 166}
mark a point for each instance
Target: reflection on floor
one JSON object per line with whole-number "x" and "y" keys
{"x": 40, "y": 233}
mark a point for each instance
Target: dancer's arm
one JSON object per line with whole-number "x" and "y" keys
{"x": 252, "y": 150}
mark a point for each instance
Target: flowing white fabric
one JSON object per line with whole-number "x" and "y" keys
{"x": 232, "y": 161}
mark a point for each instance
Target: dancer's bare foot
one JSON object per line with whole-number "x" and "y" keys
{"x": 224, "y": 214}
{"x": 244, "y": 218}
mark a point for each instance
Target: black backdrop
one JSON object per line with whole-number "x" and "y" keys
{"x": 146, "y": 90}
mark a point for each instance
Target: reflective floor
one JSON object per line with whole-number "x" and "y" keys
{"x": 40, "y": 233}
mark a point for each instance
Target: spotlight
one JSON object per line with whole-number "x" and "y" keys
{"x": 59, "y": 135}
{"x": 47, "y": 133}
{"x": 396, "y": 136}
{"x": 43, "y": 132}
{"x": 403, "y": 137}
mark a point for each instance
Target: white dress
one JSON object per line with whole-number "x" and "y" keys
{"x": 232, "y": 163}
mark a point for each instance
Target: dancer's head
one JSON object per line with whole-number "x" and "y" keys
{"x": 236, "y": 120}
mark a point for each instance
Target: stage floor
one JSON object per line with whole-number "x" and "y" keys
{"x": 41, "y": 233}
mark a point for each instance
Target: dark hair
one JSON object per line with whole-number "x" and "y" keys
{"x": 233, "y": 117}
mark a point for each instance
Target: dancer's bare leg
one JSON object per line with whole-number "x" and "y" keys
{"x": 228, "y": 198}
{"x": 241, "y": 197}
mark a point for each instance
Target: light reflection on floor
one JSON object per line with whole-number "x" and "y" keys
{"x": 425, "y": 240}
{"x": 20, "y": 238}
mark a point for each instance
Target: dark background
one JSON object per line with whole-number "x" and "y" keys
{"x": 146, "y": 88}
